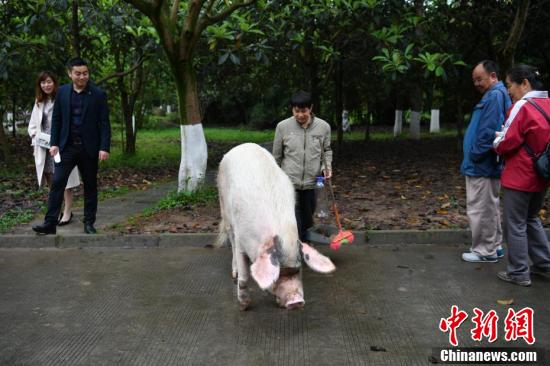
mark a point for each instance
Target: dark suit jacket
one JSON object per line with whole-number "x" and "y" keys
{"x": 96, "y": 129}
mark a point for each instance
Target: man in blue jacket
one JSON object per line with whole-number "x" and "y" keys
{"x": 481, "y": 166}
{"x": 80, "y": 136}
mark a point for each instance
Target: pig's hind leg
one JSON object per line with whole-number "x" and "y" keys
{"x": 234, "y": 267}
{"x": 243, "y": 274}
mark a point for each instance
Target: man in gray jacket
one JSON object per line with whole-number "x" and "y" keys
{"x": 298, "y": 146}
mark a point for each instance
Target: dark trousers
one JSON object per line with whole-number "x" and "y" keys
{"x": 304, "y": 209}
{"x": 74, "y": 155}
{"x": 525, "y": 234}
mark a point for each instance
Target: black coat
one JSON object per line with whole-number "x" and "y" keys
{"x": 96, "y": 128}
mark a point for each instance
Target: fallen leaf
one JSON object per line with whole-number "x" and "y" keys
{"x": 377, "y": 349}
{"x": 506, "y": 302}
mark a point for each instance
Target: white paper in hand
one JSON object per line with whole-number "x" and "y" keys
{"x": 57, "y": 158}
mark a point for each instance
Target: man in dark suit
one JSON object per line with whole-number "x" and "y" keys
{"x": 81, "y": 135}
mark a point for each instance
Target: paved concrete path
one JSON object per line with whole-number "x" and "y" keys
{"x": 114, "y": 210}
{"x": 110, "y": 211}
{"x": 176, "y": 306}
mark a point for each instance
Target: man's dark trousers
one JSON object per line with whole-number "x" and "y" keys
{"x": 304, "y": 209}
{"x": 73, "y": 155}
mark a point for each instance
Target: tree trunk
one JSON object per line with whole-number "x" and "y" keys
{"x": 75, "y": 30}
{"x": 416, "y": 110}
{"x": 338, "y": 104}
{"x": 370, "y": 117}
{"x": 6, "y": 153}
{"x": 194, "y": 152}
{"x": 434, "y": 121}
{"x": 398, "y": 123}
{"x": 126, "y": 110}
{"x": 398, "y": 119}
{"x": 509, "y": 49}
{"x": 131, "y": 128}
{"x": 459, "y": 122}
{"x": 13, "y": 119}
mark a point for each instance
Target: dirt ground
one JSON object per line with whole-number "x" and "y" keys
{"x": 379, "y": 185}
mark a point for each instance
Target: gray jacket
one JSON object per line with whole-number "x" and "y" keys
{"x": 298, "y": 150}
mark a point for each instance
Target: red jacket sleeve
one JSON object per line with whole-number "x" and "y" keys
{"x": 513, "y": 138}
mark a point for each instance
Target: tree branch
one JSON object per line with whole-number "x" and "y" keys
{"x": 209, "y": 19}
{"x": 175, "y": 8}
{"x": 188, "y": 32}
{"x": 515, "y": 33}
{"x": 209, "y": 6}
{"x": 146, "y": 7}
{"x": 123, "y": 73}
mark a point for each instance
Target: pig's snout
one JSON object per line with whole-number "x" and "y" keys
{"x": 295, "y": 302}
{"x": 288, "y": 291}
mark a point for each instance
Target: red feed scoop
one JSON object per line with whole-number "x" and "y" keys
{"x": 343, "y": 237}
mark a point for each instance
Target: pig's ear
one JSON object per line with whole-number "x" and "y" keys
{"x": 265, "y": 269}
{"x": 316, "y": 261}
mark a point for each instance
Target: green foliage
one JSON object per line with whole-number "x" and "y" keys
{"x": 14, "y": 217}
{"x": 174, "y": 199}
{"x": 111, "y": 192}
{"x": 395, "y": 62}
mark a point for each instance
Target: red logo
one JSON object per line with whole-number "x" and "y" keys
{"x": 519, "y": 325}
{"x": 485, "y": 325}
{"x": 452, "y": 323}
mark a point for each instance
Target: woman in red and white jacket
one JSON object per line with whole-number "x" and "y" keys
{"x": 526, "y": 132}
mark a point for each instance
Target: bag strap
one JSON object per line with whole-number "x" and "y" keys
{"x": 538, "y": 107}
{"x": 503, "y": 103}
{"x": 545, "y": 115}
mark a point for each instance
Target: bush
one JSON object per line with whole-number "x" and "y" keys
{"x": 154, "y": 122}
{"x": 202, "y": 196}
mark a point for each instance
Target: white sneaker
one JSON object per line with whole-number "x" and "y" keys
{"x": 476, "y": 258}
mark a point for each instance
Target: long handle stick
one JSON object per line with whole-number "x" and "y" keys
{"x": 331, "y": 190}
{"x": 334, "y": 209}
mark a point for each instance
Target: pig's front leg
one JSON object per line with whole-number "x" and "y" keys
{"x": 243, "y": 274}
{"x": 234, "y": 259}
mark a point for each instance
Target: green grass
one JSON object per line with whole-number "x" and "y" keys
{"x": 238, "y": 135}
{"x": 105, "y": 193}
{"x": 388, "y": 135}
{"x": 14, "y": 217}
{"x": 174, "y": 199}
{"x": 162, "y": 147}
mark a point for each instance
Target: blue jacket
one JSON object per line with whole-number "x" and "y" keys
{"x": 96, "y": 129}
{"x": 488, "y": 116}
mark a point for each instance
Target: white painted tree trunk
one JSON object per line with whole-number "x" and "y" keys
{"x": 415, "y": 125}
{"x": 194, "y": 155}
{"x": 434, "y": 121}
{"x": 398, "y": 124}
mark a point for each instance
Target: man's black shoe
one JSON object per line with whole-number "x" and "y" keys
{"x": 45, "y": 229}
{"x": 89, "y": 228}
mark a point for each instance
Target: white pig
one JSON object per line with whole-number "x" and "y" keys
{"x": 257, "y": 208}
